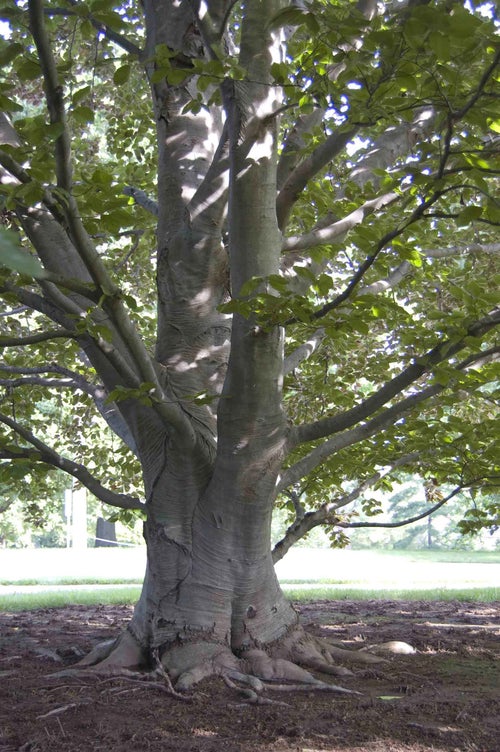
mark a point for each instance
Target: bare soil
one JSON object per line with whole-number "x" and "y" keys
{"x": 445, "y": 697}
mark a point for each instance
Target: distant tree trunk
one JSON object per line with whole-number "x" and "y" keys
{"x": 105, "y": 534}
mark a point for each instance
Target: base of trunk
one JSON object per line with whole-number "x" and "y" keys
{"x": 282, "y": 665}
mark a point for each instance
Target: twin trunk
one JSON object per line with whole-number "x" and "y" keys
{"x": 210, "y": 574}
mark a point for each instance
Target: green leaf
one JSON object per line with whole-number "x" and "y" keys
{"x": 122, "y": 74}
{"x": 291, "y": 16}
{"x": 54, "y": 130}
{"x": 80, "y": 94}
{"x": 468, "y": 215}
{"x": 176, "y": 76}
{"x": 83, "y": 115}
{"x": 28, "y": 69}
{"x": 13, "y": 257}
{"x": 9, "y": 105}
{"x": 8, "y": 52}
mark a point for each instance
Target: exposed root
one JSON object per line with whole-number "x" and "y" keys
{"x": 353, "y": 657}
{"x": 320, "y": 654}
{"x": 251, "y": 696}
{"x": 97, "y": 654}
{"x": 188, "y": 664}
{"x": 166, "y": 678}
{"x": 291, "y": 676}
{"x": 124, "y": 652}
{"x": 284, "y": 667}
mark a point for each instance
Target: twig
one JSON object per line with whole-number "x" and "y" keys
{"x": 62, "y": 709}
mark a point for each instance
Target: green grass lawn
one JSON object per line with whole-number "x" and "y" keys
{"x": 129, "y": 595}
{"x": 402, "y": 575}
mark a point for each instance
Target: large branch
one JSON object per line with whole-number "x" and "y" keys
{"x": 294, "y": 144}
{"x": 46, "y": 454}
{"x": 394, "y": 143}
{"x": 307, "y": 169}
{"x": 353, "y": 436}
{"x": 325, "y": 235}
{"x": 401, "y": 272}
{"x": 326, "y": 513}
{"x": 420, "y": 366}
{"x": 404, "y": 269}
{"x": 37, "y": 381}
{"x": 350, "y": 289}
{"x": 457, "y": 250}
{"x": 294, "y": 172}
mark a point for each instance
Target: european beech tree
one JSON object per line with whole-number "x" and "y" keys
{"x": 256, "y": 244}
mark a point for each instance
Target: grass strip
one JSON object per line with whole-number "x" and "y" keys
{"x": 129, "y": 596}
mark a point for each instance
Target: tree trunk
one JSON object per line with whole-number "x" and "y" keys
{"x": 211, "y": 598}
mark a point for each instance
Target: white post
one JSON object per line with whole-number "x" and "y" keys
{"x": 68, "y": 509}
{"x": 79, "y": 526}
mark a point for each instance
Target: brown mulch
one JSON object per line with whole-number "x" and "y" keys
{"x": 446, "y": 697}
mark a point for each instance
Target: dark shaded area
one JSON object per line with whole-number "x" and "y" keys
{"x": 444, "y": 698}
{"x": 105, "y": 533}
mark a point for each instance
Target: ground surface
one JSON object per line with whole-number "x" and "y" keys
{"x": 445, "y": 697}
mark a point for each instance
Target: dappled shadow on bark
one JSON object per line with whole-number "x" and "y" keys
{"x": 443, "y": 698}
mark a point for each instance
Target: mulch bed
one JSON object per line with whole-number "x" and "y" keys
{"x": 446, "y": 697}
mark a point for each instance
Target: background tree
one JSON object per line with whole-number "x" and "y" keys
{"x": 317, "y": 311}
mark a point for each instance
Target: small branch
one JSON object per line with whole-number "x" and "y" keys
{"x": 142, "y": 199}
{"x": 304, "y": 351}
{"x": 409, "y": 520}
{"x": 49, "y": 456}
{"x": 62, "y": 709}
{"x": 458, "y": 115}
{"x": 33, "y": 339}
{"x": 160, "y": 670}
{"x": 103, "y": 28}
{"x": 14, "y": 168}
{"x": 326, "y": 512}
